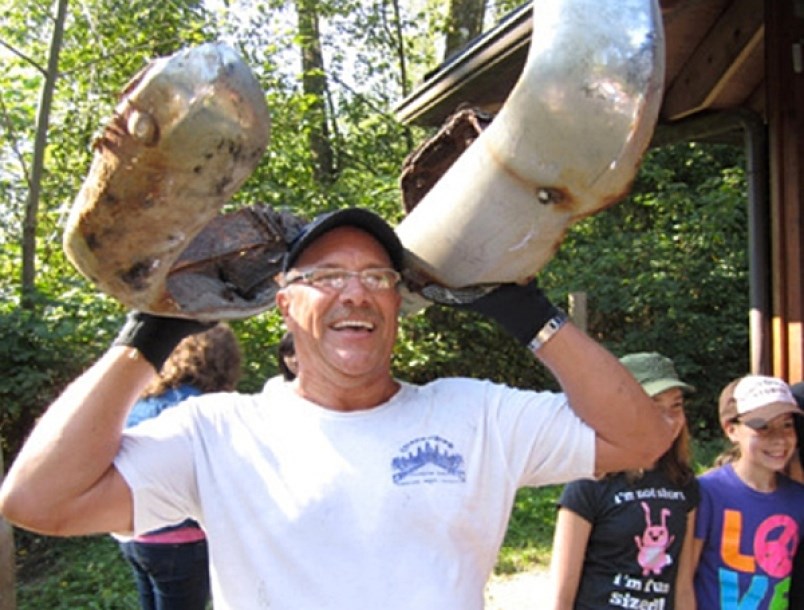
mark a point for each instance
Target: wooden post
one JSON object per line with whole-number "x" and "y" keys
{"x": 577, "y": 309}
{"x": 8, "y": 581}
{"x": 784, "y": 48}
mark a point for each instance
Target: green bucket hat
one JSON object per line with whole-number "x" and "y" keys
{"x": 656, "y": 373}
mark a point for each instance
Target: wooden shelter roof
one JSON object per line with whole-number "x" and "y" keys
{"x": 714, "y": 61}
{"x": 734, "y": 72}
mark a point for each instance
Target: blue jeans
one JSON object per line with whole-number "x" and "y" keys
{"x": 170, "y": 576}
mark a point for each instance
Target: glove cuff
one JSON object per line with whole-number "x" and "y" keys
{"x": 155, "y": 337}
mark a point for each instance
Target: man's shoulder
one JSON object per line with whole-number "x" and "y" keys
{"x": 460, "y": 385}
{"x": 467, "y": 390}
{"x": 469, "y": 382}
{"x": 440, "y": 382}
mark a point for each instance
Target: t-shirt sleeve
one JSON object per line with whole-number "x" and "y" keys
{"x": 693, "y": 493}
{"x": 546, "y": 442}
{"x": 581, "y": 498}
{"x": 156, "y": 461}
{"x": 704, "y": 515}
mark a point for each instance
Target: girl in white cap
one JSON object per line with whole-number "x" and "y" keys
{"x": 750, "y": 518}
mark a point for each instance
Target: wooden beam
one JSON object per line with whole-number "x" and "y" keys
{"x": 719, "y": 56}
{"x": 482, "y": 75}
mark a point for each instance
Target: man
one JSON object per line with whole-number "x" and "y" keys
{"x": 344, "y": 488}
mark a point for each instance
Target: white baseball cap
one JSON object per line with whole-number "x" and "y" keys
{"x": 755, "y": 400}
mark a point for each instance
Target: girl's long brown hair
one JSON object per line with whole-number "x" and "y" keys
{"x": 210, "y": 361}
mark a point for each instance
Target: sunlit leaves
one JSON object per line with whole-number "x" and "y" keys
{"x": 663, "y": 269}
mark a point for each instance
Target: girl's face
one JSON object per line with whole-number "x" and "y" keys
{"x": 769, "y": 447}
{"x": 671, "y": 404}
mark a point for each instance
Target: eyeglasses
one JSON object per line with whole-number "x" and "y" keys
{"x": 330, "y": 278}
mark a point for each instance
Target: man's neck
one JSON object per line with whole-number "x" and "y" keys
{"x": 349, "y": 395}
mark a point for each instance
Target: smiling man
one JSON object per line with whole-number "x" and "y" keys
{"x": 343, "y": 488}
{"x": 341, "y": 303}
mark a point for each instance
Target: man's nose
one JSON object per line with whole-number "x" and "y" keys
{"x": 354, "y": 289}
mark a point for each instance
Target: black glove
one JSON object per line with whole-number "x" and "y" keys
{"x": 521, "y": 310}
{"x": 155, "y": 337}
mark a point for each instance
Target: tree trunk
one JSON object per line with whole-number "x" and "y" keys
{"x": 314, "y": 82}
{"x": 37, "y": 167}
{"x": 8, "y": 589}
{"x": 403, "y": 65}
{"x": 465, "y": 21}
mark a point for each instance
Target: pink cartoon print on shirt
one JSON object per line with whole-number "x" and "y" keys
{"x": 653, "y": 544}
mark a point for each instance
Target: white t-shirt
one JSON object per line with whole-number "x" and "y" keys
{"x": 403, "y": 506}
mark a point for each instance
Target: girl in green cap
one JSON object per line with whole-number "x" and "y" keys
{"x": 619, "y": 541}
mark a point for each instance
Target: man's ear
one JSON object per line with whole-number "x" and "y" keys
{"x": 282, "y": 300}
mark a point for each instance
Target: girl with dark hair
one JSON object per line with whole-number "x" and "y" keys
{"x": 623, "y": 541}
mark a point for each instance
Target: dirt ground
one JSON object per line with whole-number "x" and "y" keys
{"x": 520, "y": 591}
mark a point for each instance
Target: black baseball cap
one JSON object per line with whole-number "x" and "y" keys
{"x": 360, "y": 218}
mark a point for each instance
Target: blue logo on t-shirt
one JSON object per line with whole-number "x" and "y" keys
{"x": 430, "y": 459}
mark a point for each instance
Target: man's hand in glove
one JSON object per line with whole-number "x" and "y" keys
{"x": 155, "y": 337}
{"x": 522, "y": 310}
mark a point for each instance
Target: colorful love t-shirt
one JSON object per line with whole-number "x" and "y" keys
{"x": 749, "y": 541}
{"x": 638, "y": 528}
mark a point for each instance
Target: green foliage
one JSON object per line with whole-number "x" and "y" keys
{"x": 666, "y": 269}
{"x": 444, "y": 342}
{"x": 258, "y": 338}
{"x": 706, "y": 451}
{"x": 42, "y": 350}
{"x": 530, "y": 531}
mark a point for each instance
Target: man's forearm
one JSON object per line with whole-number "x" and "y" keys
{"x": 74, "y": 443}
{"x": 607, "y": 397}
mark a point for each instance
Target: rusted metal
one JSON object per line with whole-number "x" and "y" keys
{"x": 567, "y": 143}
{"x": 191, "y": 128}
{"x": 188, "y": 130}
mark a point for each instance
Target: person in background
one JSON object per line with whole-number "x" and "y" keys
{"x": 347, "y": 488}
{"x": 796, "y": 472}
{"x": 749, "y": 521}
{"x": 171, "y": 564}
{"x": 621, "y": 541}
{"x": 286, "y": 356}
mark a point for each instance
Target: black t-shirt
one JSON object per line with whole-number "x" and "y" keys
{"x": 637, "y": 532}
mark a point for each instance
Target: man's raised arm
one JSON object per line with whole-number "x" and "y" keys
{"x": 631, "y": 433}
{"x": 63, "y": 481}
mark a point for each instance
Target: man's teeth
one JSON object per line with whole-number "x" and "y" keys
{"x": 358, "y": 324}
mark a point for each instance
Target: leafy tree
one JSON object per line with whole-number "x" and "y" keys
{"x": 314, "y": 82}
{"x": 465, "y": 21}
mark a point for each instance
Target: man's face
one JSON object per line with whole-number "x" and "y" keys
{"x": 341, "y": 333}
